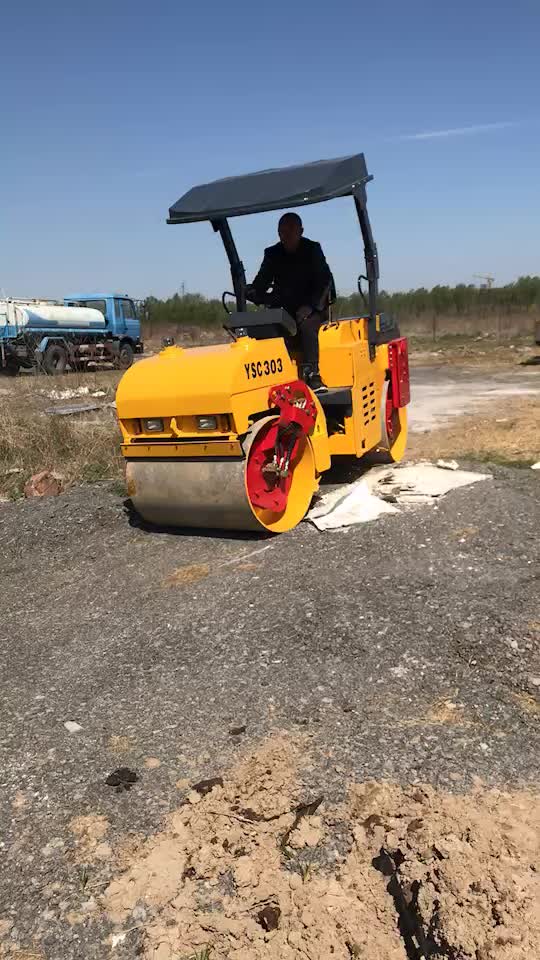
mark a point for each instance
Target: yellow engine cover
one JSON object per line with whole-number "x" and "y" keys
{"x": 229, "y": 381}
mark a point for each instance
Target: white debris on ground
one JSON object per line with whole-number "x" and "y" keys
{"x": 420, "y": 482}
{"x": 382, "y": 489}
{"x": 536, "y": 466}
{"x": 73, "y": 409}
{"x": 72, "y": 726}
{"x": 354, "y": 503}
{"x": 69, "y": 393}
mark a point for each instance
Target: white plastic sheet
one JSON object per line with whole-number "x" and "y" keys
{"x": 383, "y": 489}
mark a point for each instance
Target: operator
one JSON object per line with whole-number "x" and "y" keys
{"x": 303, "y": 285}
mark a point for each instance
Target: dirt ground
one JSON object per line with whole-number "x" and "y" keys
{"x": 361, "y": 708}
{"x": 481, "y": 352}
{"x": 249, "y": 867}
{"x": 323, "y": 745}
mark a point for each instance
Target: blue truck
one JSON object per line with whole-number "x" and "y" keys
{"x": 95, "y": 328}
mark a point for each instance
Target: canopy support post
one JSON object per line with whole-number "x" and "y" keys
{"x": 238, "y": 273}
{"x": 372, "y": 264}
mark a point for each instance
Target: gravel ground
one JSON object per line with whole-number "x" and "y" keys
{"x": 160, "y": 644}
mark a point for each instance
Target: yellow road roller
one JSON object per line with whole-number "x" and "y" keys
{"x": 229, "y": 436}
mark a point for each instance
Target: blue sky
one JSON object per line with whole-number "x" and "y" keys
{"x": 112, "y": 110}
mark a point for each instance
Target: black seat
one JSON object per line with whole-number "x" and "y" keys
{"x": 262, "y": 324}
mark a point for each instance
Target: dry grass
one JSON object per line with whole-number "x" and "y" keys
{"x": 508, "y": 434}
{"x": 81, "y": 448}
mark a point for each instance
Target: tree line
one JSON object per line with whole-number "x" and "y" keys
{"x": 523, "y": 295}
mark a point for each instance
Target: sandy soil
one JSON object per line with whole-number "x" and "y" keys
{"x": 250, "y": 867}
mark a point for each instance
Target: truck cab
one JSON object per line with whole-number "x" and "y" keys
{"x": 121, "y": 320}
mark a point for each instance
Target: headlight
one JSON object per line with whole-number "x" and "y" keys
{"x": 153, "y": 426}
{"x": 207, "y": 423}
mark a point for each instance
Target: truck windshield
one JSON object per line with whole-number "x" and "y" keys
{"x": 128, "y": 311}
{"x": 95, "y": 304}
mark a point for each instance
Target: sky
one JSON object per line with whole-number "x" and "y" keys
{"x": 110, "y": 111}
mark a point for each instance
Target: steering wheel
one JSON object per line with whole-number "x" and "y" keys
{"x": 268, "y": 300}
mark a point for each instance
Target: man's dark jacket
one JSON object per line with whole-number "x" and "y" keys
{"x": 302, "y": 278}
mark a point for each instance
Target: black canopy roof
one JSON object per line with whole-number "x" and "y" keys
{"x": 271, "y": 190}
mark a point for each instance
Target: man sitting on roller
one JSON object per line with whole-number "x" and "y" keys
{"x": 302, "y": 283}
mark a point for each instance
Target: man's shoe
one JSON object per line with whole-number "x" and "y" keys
{"x": 315, "y": 383}
{"x": 311, "y": 376}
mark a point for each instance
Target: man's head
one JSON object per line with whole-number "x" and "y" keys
{"x": 290, "y": 231}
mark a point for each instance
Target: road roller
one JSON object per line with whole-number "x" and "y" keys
{"x": 229, "y": 436}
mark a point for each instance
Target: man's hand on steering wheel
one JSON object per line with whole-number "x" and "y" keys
{"x": 251, "y": 294}
{"x": 267, "y": 299}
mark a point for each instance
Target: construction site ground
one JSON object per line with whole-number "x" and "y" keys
{"x": 365, "y": 705}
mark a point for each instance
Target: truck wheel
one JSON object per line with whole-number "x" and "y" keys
{"x": 55, "y": 359}
{"x": 125, "y": 356}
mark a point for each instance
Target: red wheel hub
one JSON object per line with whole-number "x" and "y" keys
{"x": 276, "y": 447}
{"x": 267, "y": 490}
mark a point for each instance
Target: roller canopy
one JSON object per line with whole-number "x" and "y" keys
{"x": 271, "y": 190}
